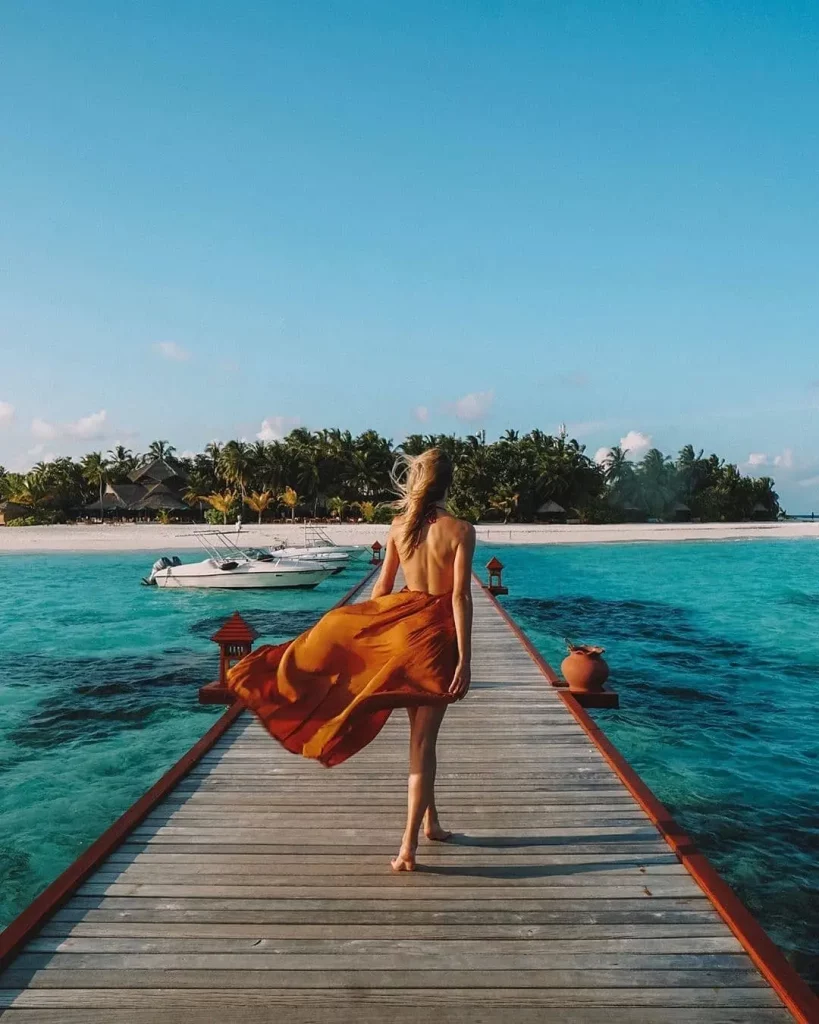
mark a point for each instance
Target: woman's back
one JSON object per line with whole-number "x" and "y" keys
{"x": 431, "y": 566}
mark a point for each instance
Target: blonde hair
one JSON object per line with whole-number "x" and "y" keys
{"x": 421, "y": 481}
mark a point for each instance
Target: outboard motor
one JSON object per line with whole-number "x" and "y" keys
{"x": 161, "y": 563}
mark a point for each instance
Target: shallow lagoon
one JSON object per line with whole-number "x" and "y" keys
{"x": 714, "y": 649}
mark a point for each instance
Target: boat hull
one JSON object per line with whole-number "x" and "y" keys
{"x": 338, "y": 560}
{"x": 174, "y": 579}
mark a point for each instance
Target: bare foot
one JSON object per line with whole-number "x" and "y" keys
{"x": 437, "y": 834}
{"x": 405, "y": 861}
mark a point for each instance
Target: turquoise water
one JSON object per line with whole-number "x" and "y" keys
{"x": 98, "y": 694}
{"x": 714, "y": 649}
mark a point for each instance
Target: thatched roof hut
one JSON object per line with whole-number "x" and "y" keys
{"x": 117, "y": 496}
{"x": 147, "y": 497}
{"x": 160, "y": 471}
{"x": 551, "y": 512}
{"x": 681, "y": 512}
{"x": 12, "y": 510}
{"x": 159, "y": 498}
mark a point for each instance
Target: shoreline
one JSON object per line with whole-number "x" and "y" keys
{"x": 170, "y": 539}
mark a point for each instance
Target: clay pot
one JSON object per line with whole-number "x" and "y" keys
{"x": 584, "y": 669}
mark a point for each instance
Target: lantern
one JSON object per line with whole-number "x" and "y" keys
{"x": 376, "y": 550}
{"x": 235, "y": 640}
{"x": 495, "y": 567}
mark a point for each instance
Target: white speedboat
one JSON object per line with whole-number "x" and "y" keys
{"x": 227, "y": 567}
{"x": 334, "y": 558}
{"x": 317, "y": 539}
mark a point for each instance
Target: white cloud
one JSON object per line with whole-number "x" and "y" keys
{"x": 783, "y": 461}
{"x": 89, "y": 426}
{"x": 636, "y": 443}
{"x": 474, "y": 406}
{"x": 85, "y": 428}
{"x": 601, "y": 456}
{"x": 812, "y": 481}
{"x": 6, "y": 412}
{"x": 45, "y": 431}
{"x": 274, "y": 428}
{"x": 420, "y": 413}
{"x": 170, "y": 350}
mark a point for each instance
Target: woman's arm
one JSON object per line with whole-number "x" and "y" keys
{"x": 462, "y": 613}
{"x": 389, "y": 570}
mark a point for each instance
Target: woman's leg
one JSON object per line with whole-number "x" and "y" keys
{"x": 432, "y": 823}
{"x": 424, "y": 725}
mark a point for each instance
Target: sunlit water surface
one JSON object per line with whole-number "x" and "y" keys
{"x": 99, "y": 681}
{"x": 713, "y": 647}
{"x": 714, "y": 650}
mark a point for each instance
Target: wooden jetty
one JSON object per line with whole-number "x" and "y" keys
{"x": 250, "y": 885}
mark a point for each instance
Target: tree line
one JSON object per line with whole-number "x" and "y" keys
{"x": 332, "y": 472}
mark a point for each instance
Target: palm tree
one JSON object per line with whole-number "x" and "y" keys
{"x": 161, "y": 450}
{"x": 514, "y": 474}
{"x": 195, "y": 495}
{"x": 259, "y": 502}
{"x": 414, "y": 444}
{"x": 337, "y": 506}
{"x": 224, "y": 503}
{"x": 368, "y": 510}
{"x": 11, "y": 484}
{"x": 212, "y": 454}
{"x": 290, "y": 499}
{"x": 30, "y": 490}
{"x": 656, "y": 480}
{"x": 122, "y": 462}
{"x": 95, "y": 471}
{"x": 616, "y": 465}
{"x": 235, "y": 464}
{"x": 504, "y": 500}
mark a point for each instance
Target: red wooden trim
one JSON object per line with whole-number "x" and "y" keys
{"x": 29, "y": 922}
{"x": 534, "y": 653}
{"x": 23, "y": 927}
{"x": 772, "y": 963}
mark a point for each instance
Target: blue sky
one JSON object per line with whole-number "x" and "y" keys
{"x": 428, "y": 216}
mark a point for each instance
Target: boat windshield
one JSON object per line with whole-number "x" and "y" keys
{"x": 220, "y": 547}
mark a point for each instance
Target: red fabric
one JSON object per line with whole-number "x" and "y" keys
{"x": 329, "y": 693}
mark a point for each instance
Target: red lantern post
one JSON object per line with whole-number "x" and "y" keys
{"x": 376, "y": 550}
{"x": 235, "y": 639}
{"x": 495, "y": 567}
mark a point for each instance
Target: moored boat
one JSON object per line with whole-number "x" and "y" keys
{"x": 228, "y": 567}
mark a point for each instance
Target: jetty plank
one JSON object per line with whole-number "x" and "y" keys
{"x": 258, "y": 888}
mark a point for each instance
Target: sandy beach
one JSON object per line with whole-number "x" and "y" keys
{"x": 173, "y": 538}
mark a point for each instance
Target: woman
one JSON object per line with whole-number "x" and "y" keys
{"x": 329, "y": 692}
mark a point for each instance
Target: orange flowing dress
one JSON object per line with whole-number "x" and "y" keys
{"x": 329, "y": 693}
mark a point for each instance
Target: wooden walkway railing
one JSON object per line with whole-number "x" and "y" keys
{"x": 256, "y": 887}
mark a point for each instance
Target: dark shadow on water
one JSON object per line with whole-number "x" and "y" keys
{"x": 280, "y": 624}
{"x": 99, "y": 697}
